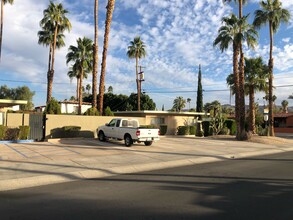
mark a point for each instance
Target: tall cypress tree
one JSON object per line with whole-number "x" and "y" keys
{"x": 199, "y": 102}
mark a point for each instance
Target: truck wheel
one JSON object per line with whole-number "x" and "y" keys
{"x": 128, "y": 140}
{"x": 148, "y": 143}
{"x": 102, "y": 136}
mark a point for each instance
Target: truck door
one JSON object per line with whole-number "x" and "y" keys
{"x": 109, "y": 129}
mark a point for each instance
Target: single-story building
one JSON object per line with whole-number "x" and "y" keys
{"x": 283, "y": 122}
{"x": 6, "y": 105}
{"x": 68, "y": 107}
{"x": 172, "y": 119}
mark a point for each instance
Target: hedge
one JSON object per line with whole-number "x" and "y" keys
{"x": 163, "y": 129}
{"x": 71, "y": 131}
{"x": 231, "y": 125}
{"x": 2, "y": 132}
{"x": 192, "y": 130}
{"x": 24, "y": 132}
{"x": 206, "y": 128}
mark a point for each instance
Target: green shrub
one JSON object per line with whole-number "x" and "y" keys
{"x": 183, "y": 130}
{"x": 92, "y": 111}
{"x": 108, "y": 112}
{"x": 225, "y": 131}
{"x": 231, "y": 125}
{"x": 53, "y": 107}
{"x": 2, "y": 132}
{"x": 206, "y": 128}
{"x": 71, "y": 131}
{"x": 24, "y": 132}
{"x": 262, "y": 131}
{"x": 163, "y": 129}
{"x": 192, "y": 130}
{"x": 12, "y": 134}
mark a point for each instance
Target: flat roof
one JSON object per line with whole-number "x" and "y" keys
{"x": 9, "y": 103}
{"x": 144, "y": 113}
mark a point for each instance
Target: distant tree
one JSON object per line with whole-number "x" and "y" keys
{"x": 108, "y": 112}
{"x": 146, "y": 102}
{"x": 179, "y": 103}
{"x": 199, "y": 98}
{"x": 88, "y": 88}
{"x": 163, "y": 108}
{"x": 285, "y": 104}
{"x": 214, "y": 107}
{"x": 290, "y": 97}
{"x": 72, "y": 98}
{"x": 188, "y": 101}
{"x": 19, "y": 93}
{"x": 110, "y": 89}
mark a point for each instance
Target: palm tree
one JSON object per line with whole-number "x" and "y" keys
{"x": 110, "y": 9}
{"x": 137, "y": 50}
{"x": 188, "y": 101}
{"x": 82, "y": 57}
{"x": 55, "y": 18}
{"x": 273, "y": 14}
{"x": 95, "y": 56}
{"x": 285, "y": 104}
{"x": 3, "y": 2}
{"x": 290, "y": 97}
{"x": 256, "y": 75}
{"x": 179, "y": 103}
{"x": 88, "y": 88}
{"x": 234, "y": 31}
{"x": 46, "y": 38}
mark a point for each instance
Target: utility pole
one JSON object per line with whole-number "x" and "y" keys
{"x": 140, "y": 79}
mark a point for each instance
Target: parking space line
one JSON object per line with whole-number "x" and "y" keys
{"x": 12, "y": 148}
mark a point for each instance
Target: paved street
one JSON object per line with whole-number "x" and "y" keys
{"x": 40, "y": 163}
{"x": 249, "y": 188}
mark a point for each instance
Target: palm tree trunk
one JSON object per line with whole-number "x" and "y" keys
{"x": 236, "y": 84}
{"x": 80, "y": 93}
{"x": 51, "y": 74}
{"x": 252, "y": 110}
{"x": 77, "y": 88}
{"x": 1, "y": 34}
{"x": 241, "y": 96}
{"x": 95, "y": 54}
{"x": 110, "y": 9}
{"x": 49, "y": 85}
{"x": 271, "y": 66}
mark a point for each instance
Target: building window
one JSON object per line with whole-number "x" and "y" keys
{"x": 157, "y": 121}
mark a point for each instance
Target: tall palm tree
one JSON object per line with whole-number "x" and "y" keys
{"x": 46, "y": 38}
{"x": 137, "y": 50}
{"x": 82, "y": 57}
{"x": 271, "y": 12}
{"x": 285, "y": 104}
{"x": 3, "y": 2}
{"x": 54, "y": 17}
{"x": 188, "y": 101}
{"x": 256, "y": 75}
{"x": 233, "y": 32}
{"x": 110, "y": 9}
{"x": 95, "y": 56}
{"x": 179, "y": 103}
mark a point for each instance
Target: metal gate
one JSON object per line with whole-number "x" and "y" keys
{"x": 36, "y": 126}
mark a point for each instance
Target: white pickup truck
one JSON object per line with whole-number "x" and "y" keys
{"x": 129, "y": 131}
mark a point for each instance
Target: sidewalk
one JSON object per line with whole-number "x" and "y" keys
{"x": 40, "y": 163}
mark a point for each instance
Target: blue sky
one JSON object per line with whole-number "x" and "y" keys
{"x": 178, "y": 34}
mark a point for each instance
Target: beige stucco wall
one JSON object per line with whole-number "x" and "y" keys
{"x": 172, "y": 122}
{"x": 88, "y": 124}
{"x": 15, "y": 119}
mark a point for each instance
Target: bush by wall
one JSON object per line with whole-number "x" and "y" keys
{"x": 108, "y": 112}
{"x": 183, "y": 130}
{"x": 2, "y": 132}
{"x": 92, "y": 111}
{"x": 12, "y": 134}
{"x": 192, "y": 130}
{"x": 24, "y": 132}
{"x": 163, "y": 129}
{"x": 53, "y": 107}
{"x": 71, "y": 131}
